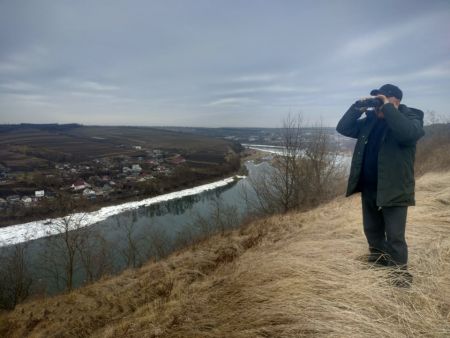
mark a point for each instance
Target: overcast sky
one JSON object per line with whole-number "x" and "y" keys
{"x": 216, "y": 63}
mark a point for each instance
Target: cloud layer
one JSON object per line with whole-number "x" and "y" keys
{"x": 216, "y": 63}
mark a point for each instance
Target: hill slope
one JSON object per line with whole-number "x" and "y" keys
{"x": 285, "y": 276}
{"x": 28, "y": 145}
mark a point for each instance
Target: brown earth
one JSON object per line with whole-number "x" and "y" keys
{"x": 30, "y": 147}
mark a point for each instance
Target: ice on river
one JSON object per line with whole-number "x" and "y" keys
{"x": 20, "y": 233}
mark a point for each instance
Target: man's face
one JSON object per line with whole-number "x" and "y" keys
{"x": 390, "y": 99}
{"x": 394, "y": 101}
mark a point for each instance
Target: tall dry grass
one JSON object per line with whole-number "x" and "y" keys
{"x": 286, "y": 276}
{"x": 433, "y": 149}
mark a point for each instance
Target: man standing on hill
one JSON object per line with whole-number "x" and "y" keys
{"x": 383, "y": 171}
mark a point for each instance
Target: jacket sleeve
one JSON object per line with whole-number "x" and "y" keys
{"x": 350, "y": 124}
{"x": 406, "y": 127}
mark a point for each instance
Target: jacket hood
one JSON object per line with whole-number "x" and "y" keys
{"x": 405, "y": 109}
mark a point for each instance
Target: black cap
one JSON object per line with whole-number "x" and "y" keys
{"x": 388, "y": 90}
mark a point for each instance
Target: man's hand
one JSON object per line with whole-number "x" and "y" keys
{"x": 383, "y": 98}
{"x": 364, "y": 98}
{"x": 392, "y": 99}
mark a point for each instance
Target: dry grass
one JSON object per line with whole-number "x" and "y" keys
{"x": 433, "y": 149}
{"x": 285, "y": 276}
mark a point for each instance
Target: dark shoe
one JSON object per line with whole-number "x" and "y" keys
{"x": 378, "y": 259}
{"x": 401, "y": 278}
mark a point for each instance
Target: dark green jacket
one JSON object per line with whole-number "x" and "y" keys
{"x": 396, "y": 155}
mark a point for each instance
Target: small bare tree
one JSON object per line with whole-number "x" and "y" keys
{"x": 131, "y": 251}
{"x": 224, "y": 217}
{"x": 305, "y": 174}
{"x": 277, "y": 187}
{"x": 95, "y": 255}
{"x": 158, "y": 242}
{"x": 15, "y": 281}
{"x": 322, "y": 170}
{"x": 62, "y": 249}
{"x": 431, "y": 117}
{"x": 221, "y": 218}
{"x": 185, "y": 237}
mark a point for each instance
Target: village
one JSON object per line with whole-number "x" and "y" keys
{"x": 102, "y": 179}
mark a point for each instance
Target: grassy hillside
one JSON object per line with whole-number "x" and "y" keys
{"x": 285, "y": 276}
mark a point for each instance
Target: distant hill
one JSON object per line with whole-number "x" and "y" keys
{"x": 269, "y": 136}
{"x": 32, "y": 145}
{"x": 47, "y": 127}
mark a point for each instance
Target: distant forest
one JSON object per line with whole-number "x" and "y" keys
{"x": 46, "y": 127}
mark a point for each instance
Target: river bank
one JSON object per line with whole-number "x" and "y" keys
{"x": 19, "y": 233}
{"x": 61, "y": 203}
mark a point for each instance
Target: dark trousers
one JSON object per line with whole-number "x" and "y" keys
{"x": 385, "y": 229}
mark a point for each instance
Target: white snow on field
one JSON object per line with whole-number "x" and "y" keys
{"x": 342, "y": 158}
{"x": 266, "y": 148}
{"x": 20, "y": 233}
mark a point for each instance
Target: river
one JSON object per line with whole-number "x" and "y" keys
{"x": 131, "y": 236}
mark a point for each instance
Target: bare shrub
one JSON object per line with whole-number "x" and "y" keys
{"x": 431, "y": 117}
{"x": 158, "y": 242}
{"x": 222, "y": 217}
{"x": 321, "y": 170}
{"x": 95, "y": 256}
{"x": 16, "y": 281}
{"x": 62, "y": 258}
{"x": 226, "y": 254}
{"x": 131, "y": 251}
{"x": 185, "y": 237}
{"x": 308, "y": 172}
{"x": 433, "y": 149}
{"x": 164, "y": 288}
{"x": 252, "y": 240}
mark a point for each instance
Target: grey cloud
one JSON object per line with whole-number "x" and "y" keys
{"x": 216, "y": 63}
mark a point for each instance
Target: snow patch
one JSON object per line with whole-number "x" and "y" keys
{"x": 20, "y": 233}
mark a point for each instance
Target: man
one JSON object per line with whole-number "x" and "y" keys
{"x": 383, "y": 171}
